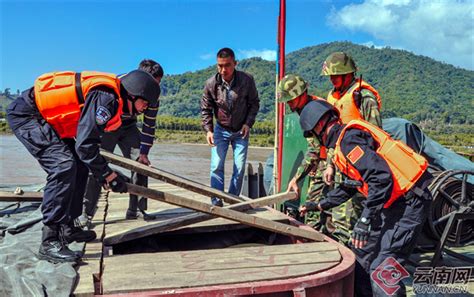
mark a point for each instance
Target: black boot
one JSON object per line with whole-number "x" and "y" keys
{"x": 131, "y": 214}
{"x": 52, "y": 248}
{"x": 72, "y": 233}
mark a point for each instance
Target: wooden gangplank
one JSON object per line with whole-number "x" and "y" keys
{"x": 118, "y": 226}
{"x": 202, "y": 268}
{"x": 177, "y": 222}
{"x": 230, "y": 214}
{"x": 199, "y": 206}
{"x": 170, "y": 178}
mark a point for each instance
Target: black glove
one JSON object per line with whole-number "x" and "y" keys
{"x": 361, "y": 230}
{"x": 118, "y": 184}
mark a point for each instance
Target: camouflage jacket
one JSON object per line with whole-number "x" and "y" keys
{"x": 370, "y": 112}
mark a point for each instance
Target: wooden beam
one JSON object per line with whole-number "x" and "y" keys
{"x": 174, "y": 223}
{"x": 225, "y": 213}
{"x": 170, "y": 178}
{"x": 25, "y": 197}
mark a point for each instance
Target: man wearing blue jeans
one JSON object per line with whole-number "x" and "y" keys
{"x": 232, "y": 98}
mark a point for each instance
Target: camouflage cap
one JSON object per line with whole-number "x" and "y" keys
{"x": 290, "y": 87}
{"x": 338, "y": 63}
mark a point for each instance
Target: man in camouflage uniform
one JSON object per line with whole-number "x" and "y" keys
{"x": 354, "y": 99}
{"x": 293, "y": 90}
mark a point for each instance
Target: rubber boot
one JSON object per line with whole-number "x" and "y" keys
{"x": 72, "y": 233}
{"x": 52, "y": 248}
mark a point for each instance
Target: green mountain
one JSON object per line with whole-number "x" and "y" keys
{"x": 414, "y": 87}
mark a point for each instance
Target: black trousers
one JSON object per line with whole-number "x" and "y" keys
{"x": 128, "y": 139}
{"x": 393, "y": 234}
{"x": 66, "y": 174}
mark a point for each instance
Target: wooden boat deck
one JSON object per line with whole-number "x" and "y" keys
{"x": 182, "y": 269}
{"x": 142, "y": 272}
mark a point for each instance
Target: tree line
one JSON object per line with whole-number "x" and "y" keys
{"x": 167, "y": 122}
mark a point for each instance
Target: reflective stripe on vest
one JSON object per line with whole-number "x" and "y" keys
{"x": 405, "y": 165}
{"x": 346, "y": 106}
{"x": 58, "y": 103}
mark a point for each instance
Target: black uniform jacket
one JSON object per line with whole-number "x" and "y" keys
{"x": 100, "y": 106}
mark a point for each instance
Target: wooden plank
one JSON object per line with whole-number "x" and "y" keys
{"x": 234, "y": 252}
{"x": 117, "y": 226}
{"x": 124, "y": 280}
{"x": 226, "y": 213}
{"x": 170, "y": 265}
{"x": 309, "y": 247}
{"x": 178, "y": 222}
{"x": 170, "y": 178}
{"x": 24, "y": 197}
{"x": 260, "y": 249}
{"x": 216, "y": 267}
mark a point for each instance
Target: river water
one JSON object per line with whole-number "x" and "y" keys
{"x": 192, "y": 161}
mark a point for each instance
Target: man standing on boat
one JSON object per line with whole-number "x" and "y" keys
{"x": 355, "y": 99}
{"x": 231, "y": 97}
{"x": 293, "y": 90}
{"x": 393, "y": 178}
{"x": 60, "y": 121}
{"x": 134, "y": 144}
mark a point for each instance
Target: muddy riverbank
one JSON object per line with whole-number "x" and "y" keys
{"x": 19, "y": 168}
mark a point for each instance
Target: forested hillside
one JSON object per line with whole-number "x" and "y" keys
{"x": 414, "y": 87}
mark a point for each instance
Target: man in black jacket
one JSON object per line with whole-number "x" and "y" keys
{"x": 67, "y": 146}
{"x": 232, "y": 98}
{"x": 394, "y": 181}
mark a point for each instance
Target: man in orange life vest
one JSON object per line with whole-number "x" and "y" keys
{"x": 134, "y": 144}
{"x": 355, "y": 99}
{"x": 60, "y": 121}
{"x": 392, "y": 177}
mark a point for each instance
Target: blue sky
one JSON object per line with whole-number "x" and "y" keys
{"x": 113, "y": 36}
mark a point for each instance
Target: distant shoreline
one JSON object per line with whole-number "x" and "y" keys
{"x": 205, "y": 144}
{"x": 158, "y": 141}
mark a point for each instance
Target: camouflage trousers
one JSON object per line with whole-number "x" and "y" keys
{"x": 342, "y": 219}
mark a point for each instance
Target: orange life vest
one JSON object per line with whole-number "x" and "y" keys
{"x": 405, "y": 165}
{"x": 57, "y": 99}
{"x": 346, "y": 105}
{"x": 323, "y": 154}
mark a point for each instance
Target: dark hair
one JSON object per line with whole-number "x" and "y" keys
{"x": 152, "y": 67}
{"x": 226, "y": 53}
